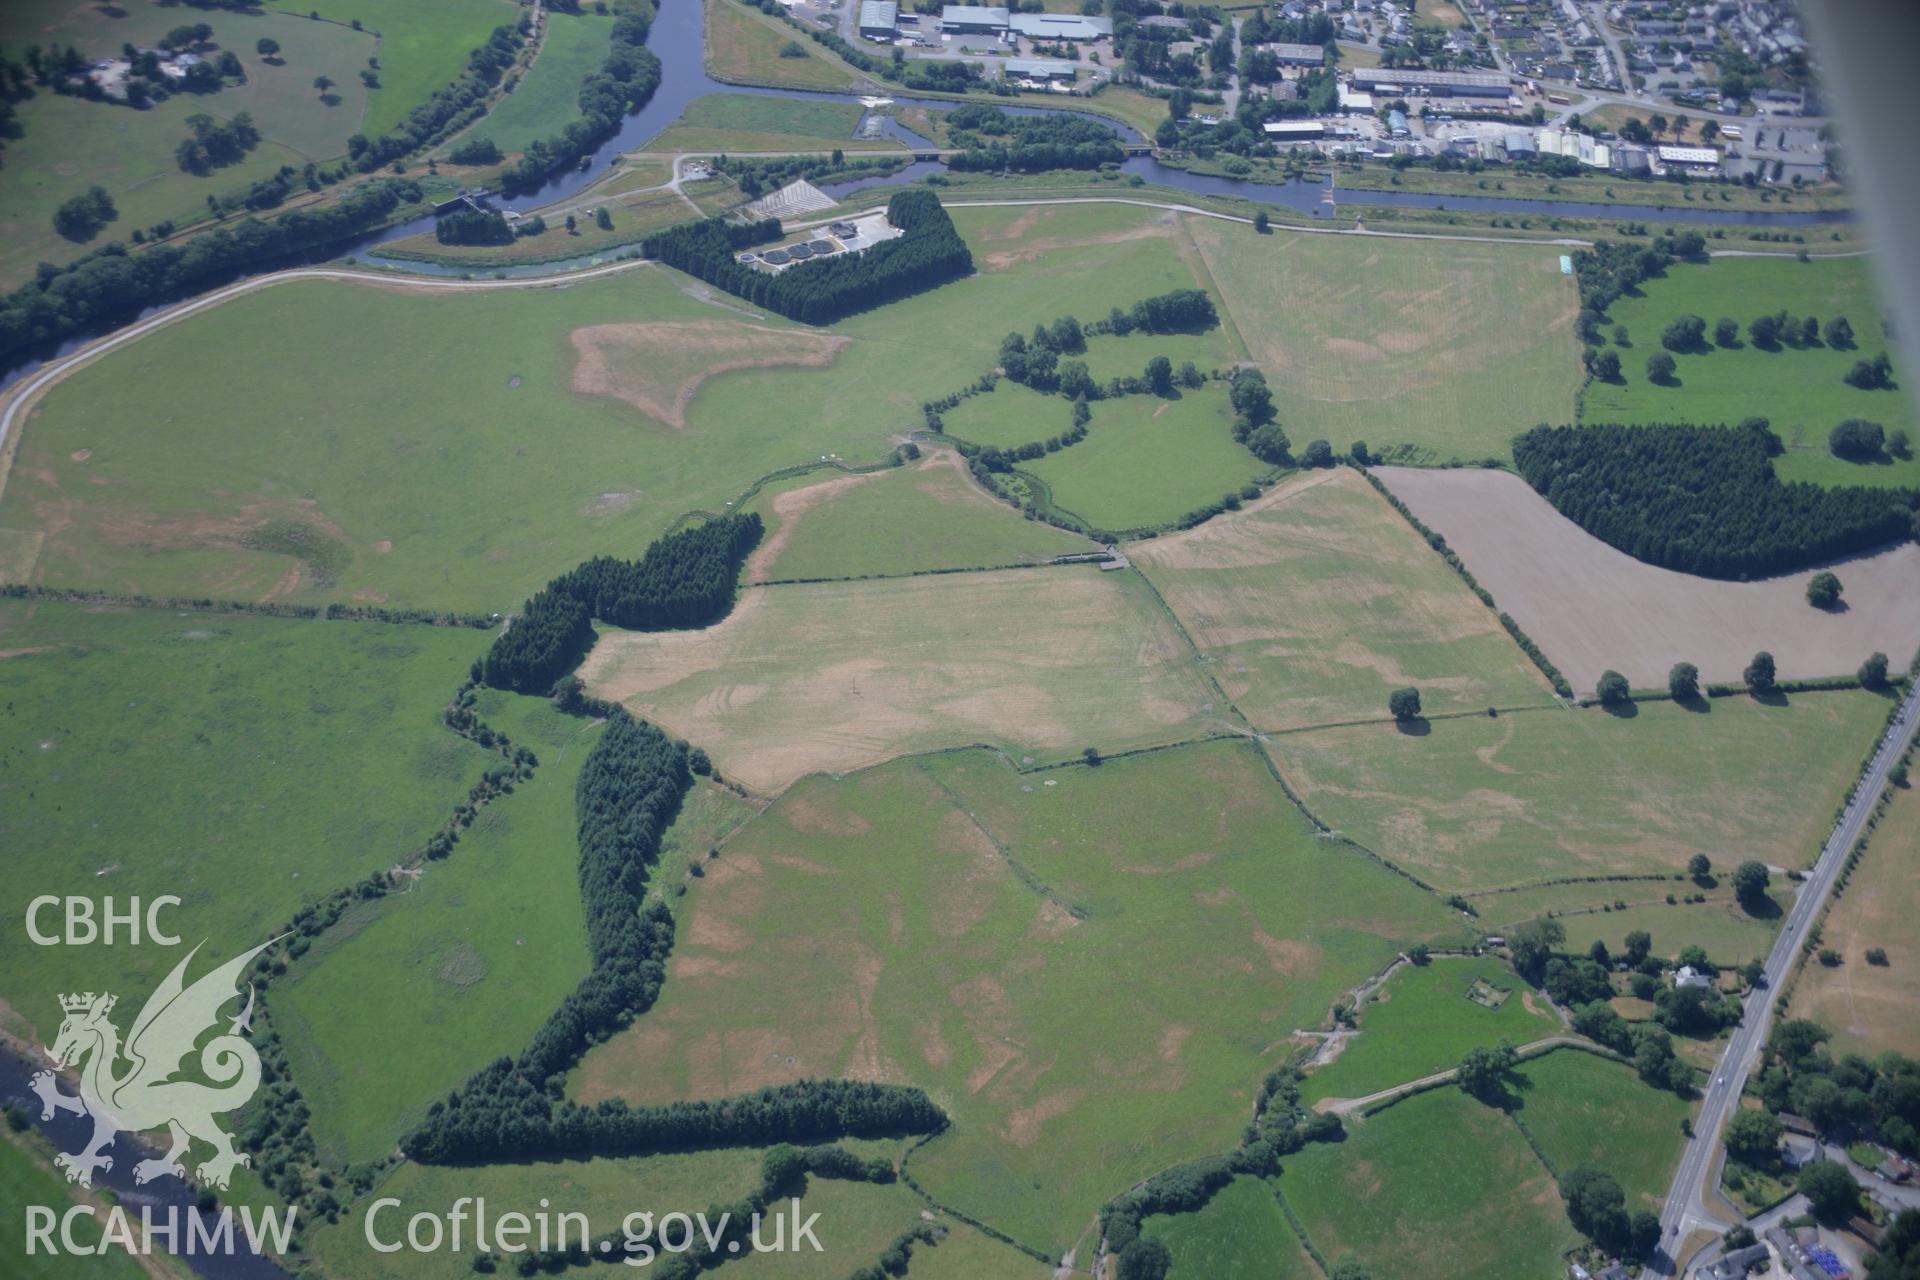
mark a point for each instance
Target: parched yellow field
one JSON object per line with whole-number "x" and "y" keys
{"x": 657, "y": 367}
{"x": 834, "y": 676}
{"x": 1870, "y": 1008}
{"x": 1426, "y": 351}
{"x": 1318, "y": 601}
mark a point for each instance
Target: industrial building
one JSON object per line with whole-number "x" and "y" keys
{"x": 879, "y": 19}
{"x": 1296, "y": 55}
{"x": 1439, "y": 84}
{"x": 1057, "y": 26}
{"x": 1692, "y": 159}
{"x": 1047, "y": 69}
{"x": 973, "y": 20}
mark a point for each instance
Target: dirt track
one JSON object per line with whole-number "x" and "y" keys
{"x": 1592, "y": 608}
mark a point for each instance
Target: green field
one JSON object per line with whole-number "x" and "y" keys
{"x": 28, "y": 1178}
{"x": 1313, "y": 604}
{"x": 1436, "y": 1185}
{"x": 1730, "y": 934}
{"x": 1478, "y": 803}
{"x": 438, "y": 482}
{"x": 984, "y": 966}
{"x": 1799, "y": 389}
{"x": 1421, "y": 1021}
{"x": 1586, "y": 1110}
{"x": 409, "y": 995}
{"x": 547, "y": 99}
{"x": 1008, "y": 416}
{"x": 246, "y": 765}
{"x": 1392, "y": 341}
{"x": 743, "y": 47}
{"x": 748, "y": 122}
{"x": 1148, "y": 461}
{"x": 1241, "y": 1234}
{"x": 421, "y": 47}
{"x": 929, "y": 515}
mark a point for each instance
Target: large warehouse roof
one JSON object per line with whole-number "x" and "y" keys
{"x": 1366, "y": 77}
{"x": 1061, "y": 26}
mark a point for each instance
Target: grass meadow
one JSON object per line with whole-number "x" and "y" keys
{"x": 1800, "y": 390}
{"x": 1584, "y": 1109}
{"x": 1148, "y": 461}
{"x": 1477, "y": 803}
{"x": 948, "y": 922}
{"x": 27, "y": 1177}
{"x": 412, "y": 993}
{"x": 246, "y": 765}
{"x": 1394, "y": 341}
{"x": 929, "y": 515}
{"x": 1008, "y": 416}
{"x": 547, "y": 99}
{"x": 748, "y": 122}
{"x": 841, "y": 675}
{"x": 1315, "y": 603}
{"x": 1241, "y": 1234}
{"x": 743, "y": 46}
{"x": 439, "y": 480}
{"x": 1730, "y": 934}
{"x": 1421, "y": 1021}
{"x": 421, "y": 47}
{"x": 1438, "y": 1184}
{"x": 1870, "y": 1008}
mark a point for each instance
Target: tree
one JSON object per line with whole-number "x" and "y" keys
{"x": 1606, "y": 366}
{"x": 1857, "y": 439}
{"x": 1765, "y": 332}
{"x": 1660, "y": 367}
{"x": 322, "y": 83}
{"x": 1899, "y": 443}
{"x": 1090, "y": 754}
{"x": 1318, "y": 453}
{"x": 82, "y": 217}
{"x": 1639, "y": 945}
{"x": 1404, "y": 704}
{"x": 1750, "y": 880}
{"x": 1759, "y": 674}
{"x": 1823, "y": 590}
{"x": 1532, "y": 943}
{"x": 1873, "y": 672}
{"x": 1160, "y": 375}
{"x": 1483, "y": 1070}
{"x": 1262, "y": 223}
{"x": 1597, "y": 1207}
{"x": 1613, "y": 689}
{"x": 1351, "y": 1268}
{"x": 1839, "y": 333}
{"x": 1685, "y": 333}
{"x": 1145, "y": 1259}
{"x": 1726, "y": 331}
{"x": 603, "y": 219}
{"x": 1699, "y": 866}
{"x": 266, "y": 47}
{"x": 1830, "y": 1190}
{"x": 1358, "y": 452}
{"x": 573, "y": 224}
{"x": 1683, "y": 682}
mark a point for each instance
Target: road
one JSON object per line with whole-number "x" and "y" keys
{"x": 1685, "y": 1209}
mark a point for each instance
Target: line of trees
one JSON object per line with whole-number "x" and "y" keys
{"x": 111, "y": 284}
{"x": 685, "y": 579}
{"x": 1613, "y": 268}
{"x": 929, "y": 254}
{"x": 1704, "y": 499}
{"x": 449, "y": 109}
{"x": 624, "y": 83}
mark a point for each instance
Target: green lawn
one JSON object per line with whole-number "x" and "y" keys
{"x": 28, "y": 1180}
{"x": 1421, "y": 1021}
{"x": 1436, "y": 1185}
{"x": 748, "y": 122}
{"x": 1148, "y": 461}
{"x": 409, "y": 995}
{"x": 547, "y": 99}
{"x": 1799, "y": 389}
{"x": 1730, "y": 933}
{"x": 1586, "y": 1110}
{"x": 246, "y": 765}
{"x": 421, "y": 47}
{"x": 743, "y": 47}
{"x": 1479, "y": 803}
{"x": 1392, "y": 341}
{"x": 1241, "y": 1234}
{"x": 984, "y": 966}
{"x": 1008, "y": 416}
{"x": 928, "y": 515}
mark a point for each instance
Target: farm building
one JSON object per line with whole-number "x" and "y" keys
{"x": 973, "y": 20}
{"x": 1061, "y": 26}
{"x": 879, "y": 19}
{"x": 1439, "y": 84}
{"x": 1296, "y": 55}
{"x": 1040, "y": 69}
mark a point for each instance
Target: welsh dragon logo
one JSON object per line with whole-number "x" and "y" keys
{"x": 134, "y": 1087}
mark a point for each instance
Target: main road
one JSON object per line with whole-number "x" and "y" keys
{"x": 1685, "y": 1208}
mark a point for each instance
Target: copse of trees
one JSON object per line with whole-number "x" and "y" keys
{"x": 1857, "y": 439}
{"x": 992, "y": 141}
{"x": 1704, "y": 499}
{"x": 1253, "y": 422}
{"x": 929, "y": 254}
{"x": 81, "y": 217}
{"x": 685, "y": 579}
{"x": 475, "y": 151}
{"x": 1613, "y": 268}
{"x": 473, "y": 226}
